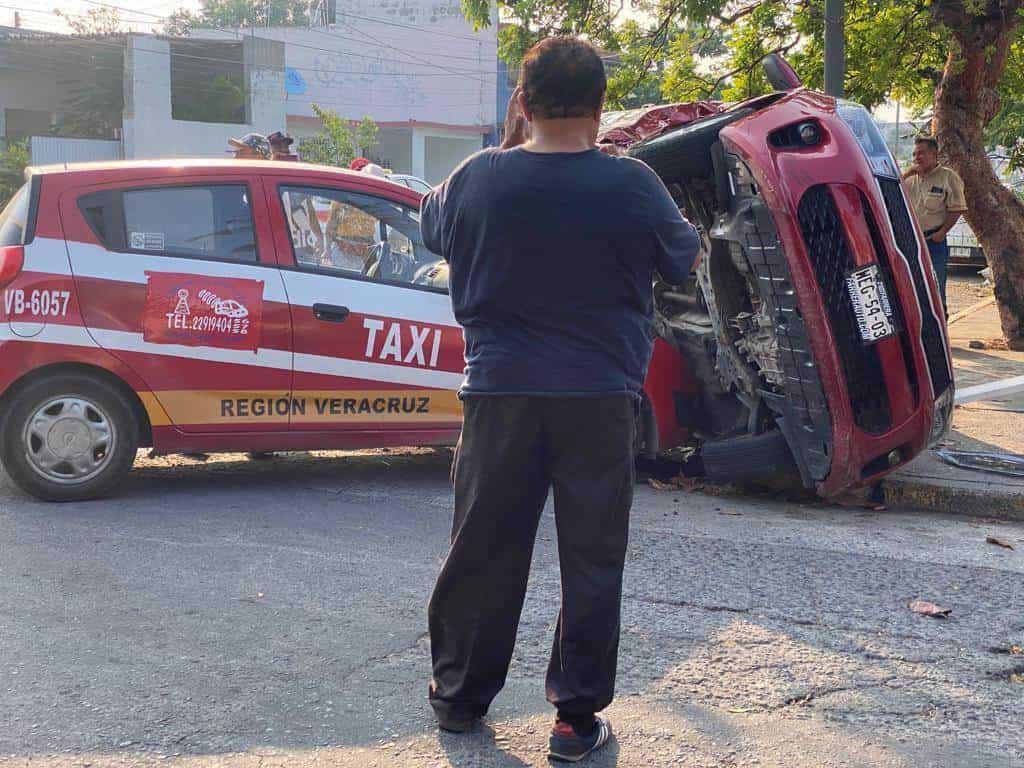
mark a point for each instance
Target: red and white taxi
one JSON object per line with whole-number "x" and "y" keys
{"x": 215, "y": 306}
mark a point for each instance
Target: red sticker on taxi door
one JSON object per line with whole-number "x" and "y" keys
{"x": 201, "y": 311}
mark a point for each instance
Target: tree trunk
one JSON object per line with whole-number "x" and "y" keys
{"x": 965, "y": 102}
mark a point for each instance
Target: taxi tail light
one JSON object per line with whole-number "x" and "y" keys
{"x": 12, "y": 259}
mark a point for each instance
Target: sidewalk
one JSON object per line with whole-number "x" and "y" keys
{"x": 994, "y": 426}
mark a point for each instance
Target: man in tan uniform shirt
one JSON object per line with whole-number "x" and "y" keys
{"x": 937, "y": 194}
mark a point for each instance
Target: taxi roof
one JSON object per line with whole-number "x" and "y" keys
{"x": 188, "y": 163}
{"x": 77, "y": 175}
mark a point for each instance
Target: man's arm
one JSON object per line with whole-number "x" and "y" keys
{"x": 940, "y": 234}
{"x": 956, "y": 204}
{"x": 517, "y": 129}
{"x": 430, "y": 219}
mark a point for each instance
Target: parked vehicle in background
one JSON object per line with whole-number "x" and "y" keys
{"x": 964, "y": 249}
{"x": 263, "y": 306}
{"x": 415, "y": 183}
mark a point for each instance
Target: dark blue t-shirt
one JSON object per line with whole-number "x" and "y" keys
{"x": 552, "y": 262}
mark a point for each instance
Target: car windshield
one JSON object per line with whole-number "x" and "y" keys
{"x": 14, "y": 218}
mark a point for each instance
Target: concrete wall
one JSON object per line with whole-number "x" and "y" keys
{"x": 56, "y": 149}
{"x": 398, "y": 61}
{"x": 394, "y": 145}
{"x": 149, "y": 130}
{"x": 443, "y": 154}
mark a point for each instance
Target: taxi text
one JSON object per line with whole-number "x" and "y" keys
{"x": 246, "y": 407}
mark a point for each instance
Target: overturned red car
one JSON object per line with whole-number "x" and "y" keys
{"x": 811, "y": 339}
{"x": 257, "y": 306}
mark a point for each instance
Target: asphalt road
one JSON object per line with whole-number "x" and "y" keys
{"x": 273, "y": 614}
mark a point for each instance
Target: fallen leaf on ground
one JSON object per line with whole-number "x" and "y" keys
{"x": 998, "y": 542}
{"x": 1016, "y": 650}
{"x": 658, "y": 485}
{"x": 928, "y": 609}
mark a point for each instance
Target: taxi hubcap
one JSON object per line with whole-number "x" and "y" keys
{"x": 69, "y": 440}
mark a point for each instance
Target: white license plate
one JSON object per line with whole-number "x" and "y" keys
{"x": 960, "y": 253}
{"x": 870, "y": 304}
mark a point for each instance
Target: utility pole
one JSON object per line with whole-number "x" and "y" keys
{"x": 835, "y": 44}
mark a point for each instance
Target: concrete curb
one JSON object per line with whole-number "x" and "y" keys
{"x": 957, "y": 316}
{"x": 984, "y": 500}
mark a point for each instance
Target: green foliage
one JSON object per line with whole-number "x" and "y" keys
{"x": 895, "y": 48}
{"x": 223, "y": 101}
{"x": 239, "y": 13}
{"x": 339, "y": 142}
{"x": 1007, "y": 128}
{"x": 14, "y": 158}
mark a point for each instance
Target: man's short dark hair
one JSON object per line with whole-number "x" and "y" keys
{"x": 930, "y": 141}
{"x": 563, "y": 77}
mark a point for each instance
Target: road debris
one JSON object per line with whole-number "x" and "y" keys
{"x": 999, "y": 463}
{"x": 925, "y": 608}
{"x": 998, "y": 542}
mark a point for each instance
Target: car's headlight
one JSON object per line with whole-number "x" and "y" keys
{"x": 866, "y": 132}
{"x": 943, "y": 418}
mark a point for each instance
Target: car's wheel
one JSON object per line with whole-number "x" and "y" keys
{"x": 67, "y": 438}
{"x": 764, "y": 459}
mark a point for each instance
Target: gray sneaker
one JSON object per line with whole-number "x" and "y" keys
{"x": 567, "y": 746}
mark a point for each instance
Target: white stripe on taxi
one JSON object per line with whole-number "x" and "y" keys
{"x": 124, "y": 341}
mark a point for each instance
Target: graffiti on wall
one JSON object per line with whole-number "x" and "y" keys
{"x": 406, "y": 11}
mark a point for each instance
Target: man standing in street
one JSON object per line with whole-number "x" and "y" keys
{"x": 937, "y": 194}
{"x": 552, "y": 247}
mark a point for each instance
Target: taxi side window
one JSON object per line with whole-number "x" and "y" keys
{"x": 360, "y": 236}
{"x": 201, "y": 221}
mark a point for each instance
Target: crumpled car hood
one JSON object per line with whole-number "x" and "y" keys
{"x": 632, "y": 126}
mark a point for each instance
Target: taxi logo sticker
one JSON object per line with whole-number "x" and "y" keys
{"x": 146, "y": 241}
{"x": 203, "y": 311}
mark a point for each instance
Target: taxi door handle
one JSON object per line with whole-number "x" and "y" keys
{"x": 330, "y": 313}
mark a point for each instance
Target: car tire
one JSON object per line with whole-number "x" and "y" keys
{"x": 758, "y": 460}
{"x": 68, "y": 438}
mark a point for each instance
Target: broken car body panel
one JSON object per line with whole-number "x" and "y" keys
{"x": 787, "y": 224}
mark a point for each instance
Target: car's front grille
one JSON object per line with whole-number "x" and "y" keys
{"x": 830, "y": 255}
{"x": 906, "y": 241}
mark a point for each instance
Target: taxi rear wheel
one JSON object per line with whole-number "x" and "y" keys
{"x": 68, "y": 438}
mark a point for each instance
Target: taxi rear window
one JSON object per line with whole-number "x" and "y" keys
{"x": 14, "y": 218}
{"x": 198, "y": 221}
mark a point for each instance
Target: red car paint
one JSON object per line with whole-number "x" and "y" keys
{"x": 386, "y": 372}
{"x": 784, "y": 177}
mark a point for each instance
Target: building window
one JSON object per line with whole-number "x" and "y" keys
{"x": 208, "y": 82}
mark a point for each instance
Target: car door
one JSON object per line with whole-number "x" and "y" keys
{"x": 177, "y": 278}
{"x": 376, "y": 345}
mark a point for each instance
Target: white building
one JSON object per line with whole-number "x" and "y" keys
{"x": 138, "y": 96}
{"x": 416, "y": 67}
